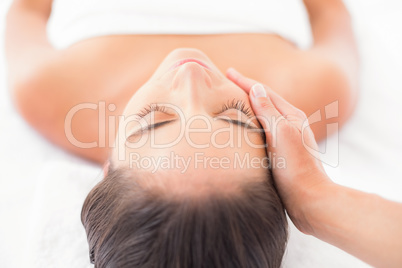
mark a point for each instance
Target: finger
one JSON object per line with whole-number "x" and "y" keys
{"x": 266, "y": 113}
{"x": 247, "y": 83}
{"x": 262, "y": 103}
{"x": 289, "y": 111}
{"x": 285, "y": 108}
{"x": 244, "y": 82}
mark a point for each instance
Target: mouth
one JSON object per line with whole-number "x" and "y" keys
{"x": 181, "y": 62}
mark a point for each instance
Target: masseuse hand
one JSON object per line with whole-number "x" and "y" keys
{"x": 287, "y": 136}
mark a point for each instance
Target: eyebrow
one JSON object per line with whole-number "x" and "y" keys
{"x": 165, "y": 123}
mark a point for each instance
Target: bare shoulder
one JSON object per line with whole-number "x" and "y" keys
{"x": 316, "y": 83}
{"x": 46, "y": 97}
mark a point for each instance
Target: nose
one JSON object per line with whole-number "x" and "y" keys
{"x": 193, "y": 82}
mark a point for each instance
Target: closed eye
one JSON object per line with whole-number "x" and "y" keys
{"x": 236, "y": 104}
{"x": 231, "y": 104}
{"x": 153, "y": 107}
{"x": 239, "y": 105}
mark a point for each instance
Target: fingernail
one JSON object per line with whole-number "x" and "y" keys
{"x": 258, "y": 91}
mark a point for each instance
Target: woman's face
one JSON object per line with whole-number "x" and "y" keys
{"x": 191, "y": 121}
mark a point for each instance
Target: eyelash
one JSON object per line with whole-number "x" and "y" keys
{"x": 151, "y": 108}
{"x": 233, "y": 104}
{"x": 238, "y": 105}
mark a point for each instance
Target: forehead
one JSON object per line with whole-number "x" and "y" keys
{"x": 197, "y": 182}
{"x": 239, "y": 155}
{"x": 185, "y": 162}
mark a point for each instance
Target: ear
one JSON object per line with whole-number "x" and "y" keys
{"x": 106, "y": 168}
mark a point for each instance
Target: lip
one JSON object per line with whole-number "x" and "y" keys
{"x": 181, "y": 62}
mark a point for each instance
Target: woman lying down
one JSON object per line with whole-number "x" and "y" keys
{"x": 201, "y": 161}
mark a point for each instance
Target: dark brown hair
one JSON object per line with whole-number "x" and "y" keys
{"x": 128, "y": 225}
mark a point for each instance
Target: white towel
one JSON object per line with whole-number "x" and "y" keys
{"x": 56, "y": 237}
{"x": 76, "y": 20}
